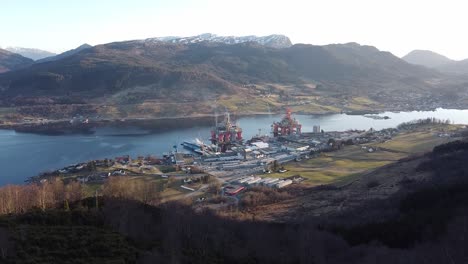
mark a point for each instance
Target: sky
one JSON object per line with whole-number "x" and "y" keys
{"x": 398, "y": 26}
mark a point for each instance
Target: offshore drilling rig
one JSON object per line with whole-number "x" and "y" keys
{"x": 287, "y": 126}
{"x": 224, "y": 134}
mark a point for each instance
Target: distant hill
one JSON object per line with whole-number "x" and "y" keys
{"x": 159, "y": 72}
{"x": 436, "y": 61}
{"x": 34, "y": 54}
{"x": 455, "y": 67}
{"x": 12, "y": 61}
{"x": 273, "y": 41}
{"x": 427, "y": 58}
{"x": 213, "y": 66}
{"x": 65, "y": 54}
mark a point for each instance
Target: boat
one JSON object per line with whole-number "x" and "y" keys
{"x": 194, "y": 147}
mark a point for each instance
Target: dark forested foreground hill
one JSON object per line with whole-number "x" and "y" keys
{"x": 148, "y": 73}
{"x": 423, "y": 222}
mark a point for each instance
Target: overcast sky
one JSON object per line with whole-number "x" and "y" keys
{"x": 398, "y": 26}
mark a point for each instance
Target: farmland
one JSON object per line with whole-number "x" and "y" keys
{"x": 353, "y": 161}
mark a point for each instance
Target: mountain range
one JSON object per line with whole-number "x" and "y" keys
{"x": 34, "y": 54}
{"x": 65, "y": 54}
{"x": 12, "y": 61}
{"x": 273, "y": 41}
{"x": 426, "y": 58}
{"x": 208, "y": 68}
{"x": 9, "y": 56}
{"x": 177, "y": 76}
{"x": 437, "y": 61}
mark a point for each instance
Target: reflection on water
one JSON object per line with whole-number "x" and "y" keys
{"x": 25, "y": 155}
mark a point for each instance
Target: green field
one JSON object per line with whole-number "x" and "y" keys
{"x": 415, "y": 142}
{"x": 330, "y": 167}
{"x": 353, "y": 161}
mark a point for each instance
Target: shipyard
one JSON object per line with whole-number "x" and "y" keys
{"x": 277, "y": 157}
{"x": 223, "y": 154}
{"x": 257, "y": 132}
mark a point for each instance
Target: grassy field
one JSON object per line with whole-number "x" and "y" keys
{"x": 353, "y": 161}
{"x": 415, "y": 142}
{"x": 362, "y": 103}
{"x": 312, "y": 104}
{"x": 169, "y": 189}
{"x": 4, "y": 112}
{"x": 330, "y": 167}
{"x": 315, "y": 108}
{"x": 239, "y": 104}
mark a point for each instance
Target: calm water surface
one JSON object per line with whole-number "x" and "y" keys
{"x": 25, "y": 155}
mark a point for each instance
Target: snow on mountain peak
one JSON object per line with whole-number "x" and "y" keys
{"x": 274, "y": 41}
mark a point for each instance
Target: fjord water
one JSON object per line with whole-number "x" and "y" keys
{"x": 26, "y": 155}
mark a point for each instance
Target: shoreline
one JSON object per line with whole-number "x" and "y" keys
{"x": 159, "y": 124}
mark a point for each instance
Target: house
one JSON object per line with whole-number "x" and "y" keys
{"x": 123, "y": 160}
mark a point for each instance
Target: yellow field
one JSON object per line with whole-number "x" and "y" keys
{"x": 244, "y": 105}
{"x": 313, "y": 105}
{"x": 170, "y": 192}
{"x": 362, "y": 103}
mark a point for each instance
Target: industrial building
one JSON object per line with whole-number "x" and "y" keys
{"x": 233, "y": 190}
